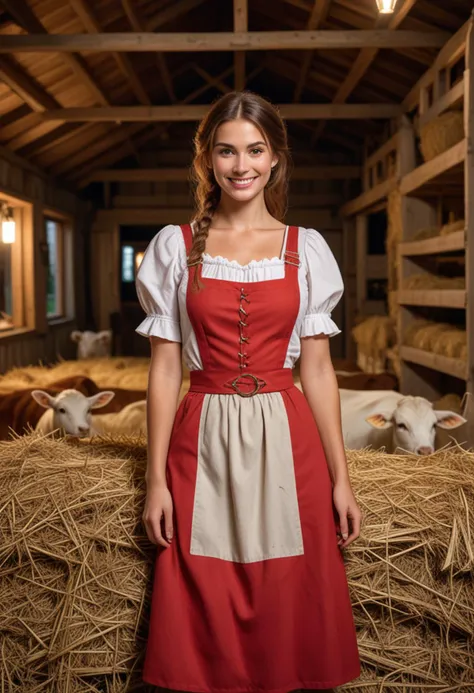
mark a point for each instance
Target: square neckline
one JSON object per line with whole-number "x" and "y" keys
{"x": 220, "y": 259}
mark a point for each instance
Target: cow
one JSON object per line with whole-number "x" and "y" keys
{"x": 399, "y": 423}
{"x": 92, "y": 344}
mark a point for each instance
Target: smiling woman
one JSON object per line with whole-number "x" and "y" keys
{"x": 254, "y": 481}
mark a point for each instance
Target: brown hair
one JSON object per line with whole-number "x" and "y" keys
{"x": 207, "y": 193}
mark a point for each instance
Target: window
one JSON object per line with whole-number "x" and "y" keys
{"x": 6, "y": 287}
{"x": 55, "y": 269}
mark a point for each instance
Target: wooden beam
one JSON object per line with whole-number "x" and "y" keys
{"x": 240, "y": 26}
{"x": 317, "y": 17}
{"x": 211, "y": 81}
{"x": 222, "y": 41}
{"x": 362, "y": 63}
{"x": 85, "y": 14}
{"x": 104, "y": 114}
{"x": 413, "y": 181}
{"x": 369, "y": 198}
{"x": 27, "y": 20}
{"x": 25, "y": 86}
{"x": 323, "y": 172}
{"x": 138, "y": 26}
{"x": 453, "y": 97}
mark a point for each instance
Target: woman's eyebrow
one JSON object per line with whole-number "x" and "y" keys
{"x": 231, "y": 146}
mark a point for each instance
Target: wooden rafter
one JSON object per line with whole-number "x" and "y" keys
{"x": 86, "y": 15}
{"x": 290, "y": 111}
{"x": 26, "y": 19}
{"x": 362, "y": 63}
{"x": 240, "y": 26}
{"x": 317, "y": 17}
{"x": 25, "y": 86}
{"x": 222, "y": 41}
{"x": 173, "y": 11}
{"x": 138, "y": 26}
{"x": 212, "y": 81}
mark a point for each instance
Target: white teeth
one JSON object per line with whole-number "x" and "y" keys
{"x": 242, "y": 181}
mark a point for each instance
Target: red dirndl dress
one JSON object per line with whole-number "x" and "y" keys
{"x": 252, "y": 594}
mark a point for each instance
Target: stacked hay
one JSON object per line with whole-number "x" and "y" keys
{"x": 430, "y": 281}
{"x": 373, "y": 336}
{"x": 77, "y": 568}
{"x": 452, "y": 227}
{"x": 441, "y": 133}
{"x": 438, "y": 337}
{"x": 424, "y": 233}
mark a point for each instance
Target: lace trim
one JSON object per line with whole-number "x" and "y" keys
{"x": 264, "y": 262}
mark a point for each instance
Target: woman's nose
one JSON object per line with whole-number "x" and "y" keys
{"x": 240, "y": 164}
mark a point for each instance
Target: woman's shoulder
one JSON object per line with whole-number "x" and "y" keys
{"x": 168, "y": 240}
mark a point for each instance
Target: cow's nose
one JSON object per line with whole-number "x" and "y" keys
{"x": 424, "y": 450}
{"x": 83, "y": 429}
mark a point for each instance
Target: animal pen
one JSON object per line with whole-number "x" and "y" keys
{"x": 99, "y": 103}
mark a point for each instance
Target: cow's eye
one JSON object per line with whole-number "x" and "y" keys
{"x": 61, "y": 410}
{"x": 402, "y": 426}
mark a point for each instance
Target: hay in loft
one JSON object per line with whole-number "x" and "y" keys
{"x": 76, "y": 567}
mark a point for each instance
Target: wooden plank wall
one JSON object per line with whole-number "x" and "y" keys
{"x": 49, "y": 341}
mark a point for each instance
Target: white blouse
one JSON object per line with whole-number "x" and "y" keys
{"x": 162, "y": 279}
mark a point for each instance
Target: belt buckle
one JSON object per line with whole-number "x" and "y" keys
{"x": 258, "y": 384}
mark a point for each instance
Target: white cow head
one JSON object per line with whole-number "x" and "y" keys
{"x": 72, "y": 410}
{"x": 414, "y": 422}
{"x": 92, "y": 344}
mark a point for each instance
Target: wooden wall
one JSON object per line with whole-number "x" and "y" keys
{"x": 47, "y": 341}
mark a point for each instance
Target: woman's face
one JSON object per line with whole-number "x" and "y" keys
{"x": 241, "y": 159}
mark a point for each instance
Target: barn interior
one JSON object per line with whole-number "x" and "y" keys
{"x": 99, "y": 103}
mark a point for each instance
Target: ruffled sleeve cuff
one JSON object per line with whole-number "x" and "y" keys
{"x": 160, "y": 326}
{"x": 319, "y": 323}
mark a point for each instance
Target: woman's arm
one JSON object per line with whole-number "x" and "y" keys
{"x": 164, "y": 384}
{"x": 319, "y": 385}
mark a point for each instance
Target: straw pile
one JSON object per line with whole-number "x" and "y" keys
{"x": 373, "y": 336}
{"x": 430, "y": 281}
{"x": 424, "y": 233}
{"x": 452, "y": 226}
{"x": 441, "y": 133}
{"x": 438, "y": 337}
{"x": 77, "y": 566}
{"x": 129, "y": 373}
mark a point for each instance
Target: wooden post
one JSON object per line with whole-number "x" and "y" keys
{"x": 469, "y": 218}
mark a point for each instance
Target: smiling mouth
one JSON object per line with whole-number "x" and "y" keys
{"x": 242, "y": 181}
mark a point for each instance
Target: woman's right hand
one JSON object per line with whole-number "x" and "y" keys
{"x": 158, "y": 503}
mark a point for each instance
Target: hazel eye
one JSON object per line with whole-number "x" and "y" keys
{"x": 225, "y": 151}
{"x": 258, "y": 151}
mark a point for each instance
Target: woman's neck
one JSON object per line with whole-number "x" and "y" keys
{"x": 242, "y": 216}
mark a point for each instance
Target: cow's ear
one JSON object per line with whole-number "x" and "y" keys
{"x": 104, "y": 337}
{"x": 43, "y": 398}
{"x": 449, "y": 419}
{"x": 101, "y": 399}
{"x": 380, "y": 420}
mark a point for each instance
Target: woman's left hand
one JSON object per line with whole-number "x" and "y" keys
{"x": 349, "y": 514}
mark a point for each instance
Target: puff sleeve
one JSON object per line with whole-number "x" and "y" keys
{"x": 325, "y": 286}
{"x": 157, "y": 285}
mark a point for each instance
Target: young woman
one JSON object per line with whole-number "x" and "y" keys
{"x": 249, "y": 475}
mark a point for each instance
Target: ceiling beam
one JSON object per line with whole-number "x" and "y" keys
{"x": 222, "y": 41}
{"x": 317, "y": 17}
{"x": 27, "y": 88}
{"x": 24, "y": 17}
{"x": 321, "y": 172}
{"x": 292, "y": 111}
{"x": 87, "y": 17}
{"x": 362, "y": 63}
{"x": 241, "y": 25}
{"x": 172, "y": 12}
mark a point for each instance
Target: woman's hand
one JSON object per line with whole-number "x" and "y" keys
{"x": 158, "y": 503}
{"x": 348, "y": 512}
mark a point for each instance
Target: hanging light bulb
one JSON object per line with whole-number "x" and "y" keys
{"x": 8, "y": 224}
{"x": 386, "y": 6}
{"x": 138, "y": 260}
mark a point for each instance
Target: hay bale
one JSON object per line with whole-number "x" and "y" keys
{"x": 441, "y": 133}
{"x": 428, "y": 232}
{"x": 450, "y": 342}
{"x": 426, "y": 335}
{"x": 429, "y": 282}
{"x": 452, "y": 226}
{"x": 77, "y": 567}
{"x": 373, "y": 336}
